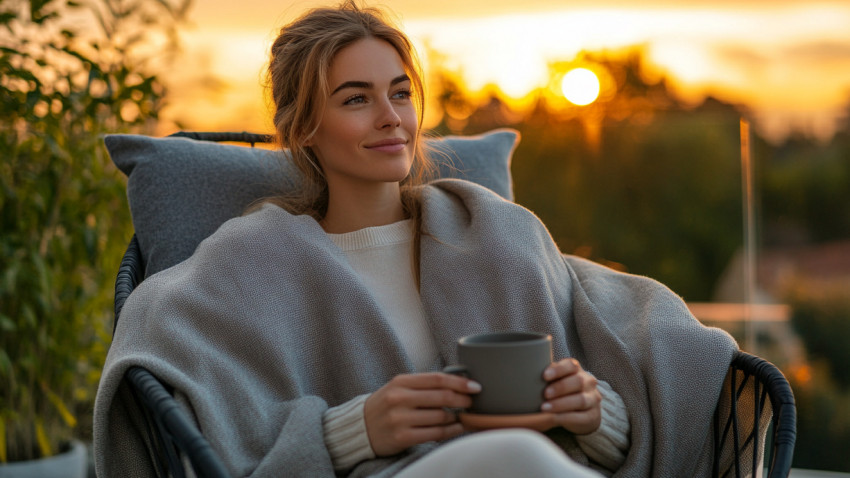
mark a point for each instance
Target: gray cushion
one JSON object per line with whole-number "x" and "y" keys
{"x": 181, "y": 190}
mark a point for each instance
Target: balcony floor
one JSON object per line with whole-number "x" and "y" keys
{"x": 800, "y": 473}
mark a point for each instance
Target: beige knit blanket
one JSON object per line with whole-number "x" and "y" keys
{"x": 267, "y": 325}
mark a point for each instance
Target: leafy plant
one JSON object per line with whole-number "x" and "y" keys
{"x": 62, "y": 209}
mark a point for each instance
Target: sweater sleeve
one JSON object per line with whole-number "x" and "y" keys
{"x": 345, "y": 434}
{"x": 608, "y": 445}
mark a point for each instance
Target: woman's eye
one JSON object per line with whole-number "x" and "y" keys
{"x": 403, "y": 94}
{"x": 354, "y": 100}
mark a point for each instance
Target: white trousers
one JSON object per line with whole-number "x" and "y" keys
{"x": 498, "y": 454}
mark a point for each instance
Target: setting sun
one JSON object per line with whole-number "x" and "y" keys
{"x": 580, "y": 86}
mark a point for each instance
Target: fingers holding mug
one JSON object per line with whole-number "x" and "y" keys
{"x": 412, "y": 409}
{"x": 573, "y": 397}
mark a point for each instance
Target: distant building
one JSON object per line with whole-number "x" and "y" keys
{"x": 778, "y": 269}
{"x": 762, "y": 327}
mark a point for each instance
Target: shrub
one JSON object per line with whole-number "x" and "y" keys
{"x": 62, "y": 209}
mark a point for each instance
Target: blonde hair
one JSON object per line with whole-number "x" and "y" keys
{"x": 300, "y": 59}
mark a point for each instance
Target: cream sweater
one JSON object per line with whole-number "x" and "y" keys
{"x": 382, "y": 258}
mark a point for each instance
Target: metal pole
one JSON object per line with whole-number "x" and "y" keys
{"x": 749, "y": 237}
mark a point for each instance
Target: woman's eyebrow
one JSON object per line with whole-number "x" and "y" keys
{"x": 367, "y": 84}
{"x": 400, "y": 78}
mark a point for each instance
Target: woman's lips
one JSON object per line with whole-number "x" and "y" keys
{"x": 389, "y": 148}
{"x": 388, "y": 145}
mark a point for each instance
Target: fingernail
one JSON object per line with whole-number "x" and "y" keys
{"x": 546, "y": 407}
{"x": 549, "y": 374}
{"x": 473, "y": 386}
{"x": 549, "y": 392}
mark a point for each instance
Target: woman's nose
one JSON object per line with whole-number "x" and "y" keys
{"x": 388, "y": 117}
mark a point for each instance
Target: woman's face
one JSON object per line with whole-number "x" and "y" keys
{"x": 367, "y": 129}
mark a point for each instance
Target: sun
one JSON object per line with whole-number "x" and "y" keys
{"x": 580, "y": 86}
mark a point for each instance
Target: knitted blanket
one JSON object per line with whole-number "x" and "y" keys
{"x": 266, "y": 326}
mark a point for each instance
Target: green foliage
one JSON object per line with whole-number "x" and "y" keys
{"x": 823, "y": 420}
{"x": 821, "y": 318}
{"x": 64, "y": 219}
{"x": 805, "y": 188}
{"x": 662, "y": 198}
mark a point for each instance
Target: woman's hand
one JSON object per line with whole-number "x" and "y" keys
{"x": 573, "y": 397}
{"x": 410, "y": 409}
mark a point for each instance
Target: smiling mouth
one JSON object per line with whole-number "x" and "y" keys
{"x": 388, "y": 146}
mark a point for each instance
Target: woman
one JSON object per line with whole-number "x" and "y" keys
{"x": 305, "y": 337}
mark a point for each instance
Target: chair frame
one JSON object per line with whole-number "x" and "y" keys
{"x": 767, "y": 382}
{"x": 176, "y": 436}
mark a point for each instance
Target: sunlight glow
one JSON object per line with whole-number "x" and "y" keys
{"x": 580, "y": 86}
{"x": 786, "y": 63}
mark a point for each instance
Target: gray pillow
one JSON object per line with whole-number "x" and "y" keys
{"x": 181, "y": 190}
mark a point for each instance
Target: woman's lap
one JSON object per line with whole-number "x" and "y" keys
{"x": 496, "y": 454}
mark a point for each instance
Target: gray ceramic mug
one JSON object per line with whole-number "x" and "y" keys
{"x": 509, "y": 366}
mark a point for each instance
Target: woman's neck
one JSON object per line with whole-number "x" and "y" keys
{"x": 352, "y": 210}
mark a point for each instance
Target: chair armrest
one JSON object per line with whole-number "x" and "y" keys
{"x": 753, "y": 380}
{"x": 174, "y": 428}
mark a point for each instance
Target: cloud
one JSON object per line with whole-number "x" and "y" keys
{"x": 825, "y": 51}
{"x": 742, "y": 56}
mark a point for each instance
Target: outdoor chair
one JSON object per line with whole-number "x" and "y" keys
{"x": 182, "y": 188}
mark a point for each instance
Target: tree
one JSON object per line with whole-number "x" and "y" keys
{"x": 70, "y": 74}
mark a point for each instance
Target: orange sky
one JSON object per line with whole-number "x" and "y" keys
{"x": 788, "y": 60}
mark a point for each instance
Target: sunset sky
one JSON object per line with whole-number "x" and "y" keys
{"x": 789, "y": 61}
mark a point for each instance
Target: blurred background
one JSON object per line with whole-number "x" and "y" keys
{"x": 703, "y": 143}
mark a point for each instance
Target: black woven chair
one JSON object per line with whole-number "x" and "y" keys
{"x": 754, "y": 423}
